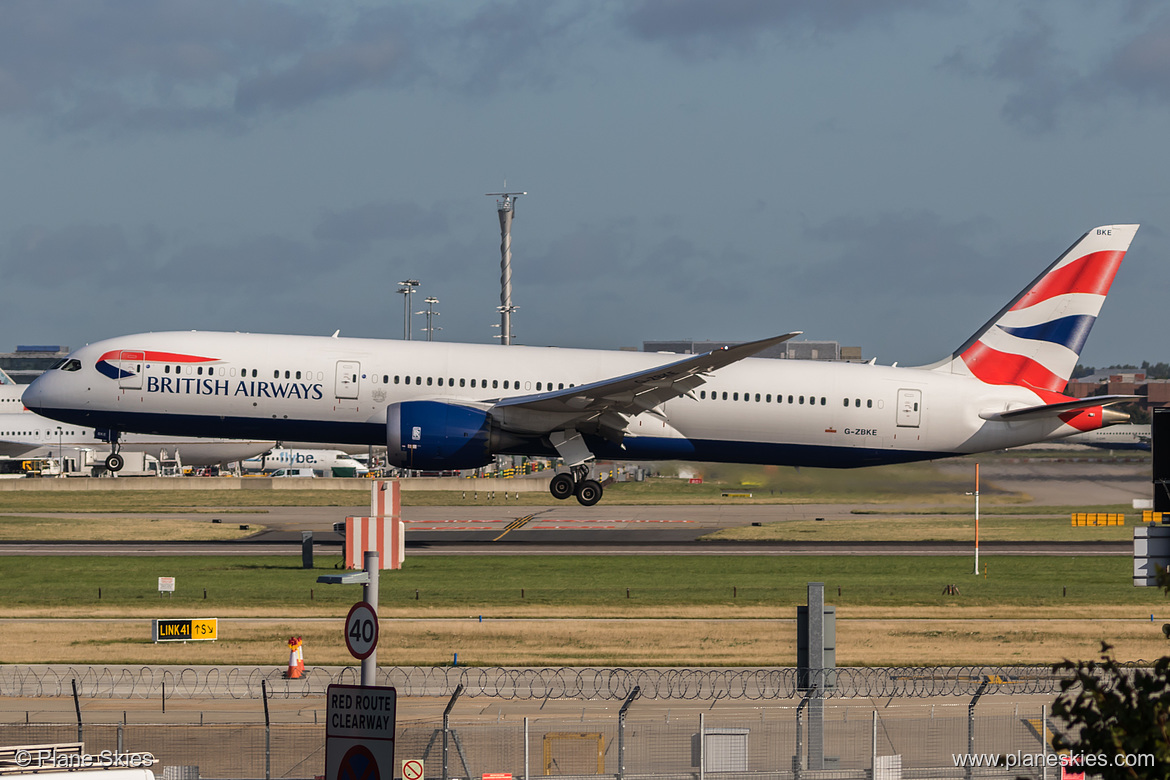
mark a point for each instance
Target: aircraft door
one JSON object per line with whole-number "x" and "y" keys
{"x": 348, "y": 379}
{"x": 131, "y": 364}
{"x": 909, "y": 408}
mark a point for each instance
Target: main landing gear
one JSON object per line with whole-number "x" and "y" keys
{"x": 587, "y": 491}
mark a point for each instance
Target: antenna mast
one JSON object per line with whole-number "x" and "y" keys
{"x": 506, "y": 206}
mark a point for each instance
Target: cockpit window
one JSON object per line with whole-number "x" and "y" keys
{"x": 58, "y": 364}
{"x": 72, "y": 364}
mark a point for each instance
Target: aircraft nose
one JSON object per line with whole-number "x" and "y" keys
{"x": 35, "y": 397}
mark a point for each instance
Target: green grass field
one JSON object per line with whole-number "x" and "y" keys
{"x": 569, "y": 585}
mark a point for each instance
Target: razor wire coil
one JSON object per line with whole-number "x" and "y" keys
{"x": 686, "y": 684}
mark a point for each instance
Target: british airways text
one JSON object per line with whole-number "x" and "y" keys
{"x": 196, "y": 386}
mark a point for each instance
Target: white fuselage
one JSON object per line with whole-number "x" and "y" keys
{"x": 320, "y": 389}
{"x": 288, "y": 458}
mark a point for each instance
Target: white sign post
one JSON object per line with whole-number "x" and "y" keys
{"x": 359, "y": 732}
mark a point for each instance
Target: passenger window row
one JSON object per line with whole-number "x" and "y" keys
{"x": 541, "y": 387}
{"x": 811, "y": 400}
{"x": 243, "y": 372}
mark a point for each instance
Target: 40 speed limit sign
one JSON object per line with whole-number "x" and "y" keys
{"x": 361, "y": 630}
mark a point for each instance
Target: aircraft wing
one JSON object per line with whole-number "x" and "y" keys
{"x": 1048, "y": 410}
{"x": 623, "y": 395}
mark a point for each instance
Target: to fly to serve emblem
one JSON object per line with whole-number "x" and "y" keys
{"x": 361, "y": 630}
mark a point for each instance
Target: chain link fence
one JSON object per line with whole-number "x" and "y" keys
{"x": 769, "y": 747}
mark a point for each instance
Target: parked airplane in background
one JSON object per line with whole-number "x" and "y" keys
{"x": 10, "y": 394}
{"x": 1115, "y": 437}
{"x": 453, "y": 406}
{"x": 330, "y": 462}
{"x": 25, "y": 434}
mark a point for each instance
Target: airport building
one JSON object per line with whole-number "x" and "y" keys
{"x": 1123, "y": 382}
{"x": 28, "y": 362}
{"x": 789, "y": 350}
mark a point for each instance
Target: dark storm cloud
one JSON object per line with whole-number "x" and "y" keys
{"x": 1052, "y": 77}
{"x": 380, "y": 221}
{"x": 91, "y": 61}
{"x": 44, "y": 259}
{"x": 1141, "y": 66}
{"x": 1029, "y": 58}
{"x": 700, "y": 29}
{"x": 374, "y": 51}
{"x": 914, "y": 254}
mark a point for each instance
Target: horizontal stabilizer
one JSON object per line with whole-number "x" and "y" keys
{"x": 1052, "y": 410}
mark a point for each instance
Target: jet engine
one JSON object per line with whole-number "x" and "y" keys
{"x": 434, "y": 435}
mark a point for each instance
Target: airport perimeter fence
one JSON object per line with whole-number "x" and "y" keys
{"x": 697, "y": 684}
{"x": 771, "y": 746}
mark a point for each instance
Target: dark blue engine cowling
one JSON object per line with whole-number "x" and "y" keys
{"x": 435, "y": 435}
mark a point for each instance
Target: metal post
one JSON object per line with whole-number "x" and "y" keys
{"x": 447, "y": 728}
{"x": 967, "y": 773}
{"x": 267, "y": 733}
{"x": 797, "y": 756}
{"x": 622, "y": 731}
{"x": 702, "y": 748}
{"x": 77, "y": 706}
{"x": 1044, "y": 741}
{"x": 370, "y": 596}
{"x": 873, "y": 748}
{"x": 526, "y": 775}
{"x": 816, "y": 675}
{"x": 976, "y": 494}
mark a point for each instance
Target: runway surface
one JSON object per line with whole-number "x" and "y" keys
{"x": 566, "y": 528}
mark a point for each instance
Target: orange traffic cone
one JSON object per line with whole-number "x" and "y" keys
{"x": 294, "y": 669}
{"x": 300, "y": 655}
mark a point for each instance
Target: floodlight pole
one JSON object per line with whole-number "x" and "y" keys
{"x": 406, "y": 287}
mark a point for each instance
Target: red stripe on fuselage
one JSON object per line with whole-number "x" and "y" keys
{"x": 160, "y": 357}
{"x": 1090, "y": 274}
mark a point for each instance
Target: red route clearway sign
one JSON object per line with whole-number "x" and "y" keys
{"x": 364, "y": 718}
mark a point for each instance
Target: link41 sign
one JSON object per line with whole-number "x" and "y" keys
{"x": 359, "y": 732}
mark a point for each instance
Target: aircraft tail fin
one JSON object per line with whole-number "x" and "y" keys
{"x": 1036, "y": 340}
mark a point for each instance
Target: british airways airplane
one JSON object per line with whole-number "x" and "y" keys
{"x": 455, "y": 406}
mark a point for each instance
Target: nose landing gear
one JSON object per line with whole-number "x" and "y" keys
{"x": 114, "y": 461}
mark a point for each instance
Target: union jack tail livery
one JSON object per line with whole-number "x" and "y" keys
{"x": 1034, "y": 342}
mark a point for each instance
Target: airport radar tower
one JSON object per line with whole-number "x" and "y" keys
{"x": 506, "y": 206}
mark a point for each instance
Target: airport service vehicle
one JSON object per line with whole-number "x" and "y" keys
{"x": 438, "y": 406}
{"x": 329, "y": 462}
{"x": 18, "y": 468}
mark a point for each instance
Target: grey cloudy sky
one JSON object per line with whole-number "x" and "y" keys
{"x": 884, "y": 173}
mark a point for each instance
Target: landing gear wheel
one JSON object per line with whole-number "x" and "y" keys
{"x": 561, "y": 486}
{"x": 588, "y": 492}
{"x": 115, "y": 462}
